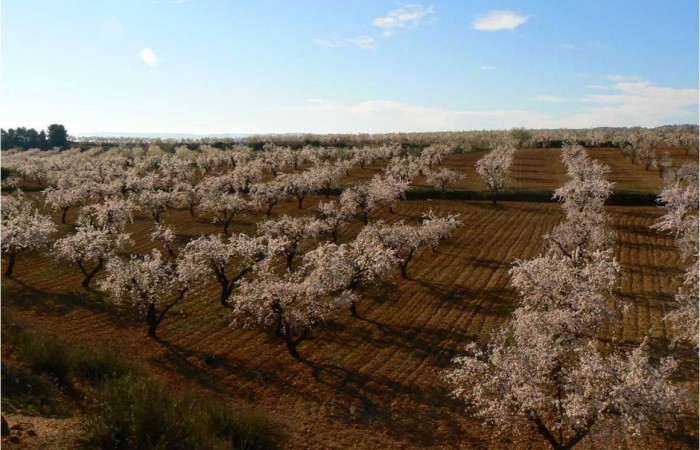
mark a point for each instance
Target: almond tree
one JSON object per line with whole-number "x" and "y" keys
{"x": 547, "y": 370}
{"x": 344, "y": 268}
{"x": 155, "y": 201}
{"x": 300, "y": 185}
{"x": 267, "y": 194}
{"x": 167, "y": 237}
{"x": 147, "y": 283}
{"x": 228, "y": 260}
{"x": 408, "y": 240}
{"x": 24, "y": 229}
{"x": 327, "y": 176}
{"x": 494, "y": 169}
{"x": 185, "y": 195}
{"x": 665, "y": 163}
{"x": 647, "y": 157}
{"x": 381, "y": 190}
{"x": 89, "y": 248}
{"x": 113, "y": 214}
{"x": 387, "y": 190}
{"x": 291, "y": 232}
{"x": 223, "y": 203}
{"x": 64, "y": 198}
{"x": 585, "y": 227}
{"x": 680, "y": 199}
{"x": 434, "y": 154}
{"x": 441, "y": 179}
{"x": 336, "y": 217}
{"x": 405, "y": 168}
{"x": 290, "y": 304}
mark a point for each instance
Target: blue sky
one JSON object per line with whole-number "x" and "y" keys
{"x": 261, "y": 66}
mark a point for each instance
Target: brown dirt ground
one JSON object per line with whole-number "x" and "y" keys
{"x": 374, "y": 382}
{"x": 543, "y": 169}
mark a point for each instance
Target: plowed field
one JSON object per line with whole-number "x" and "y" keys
{"x": 377, "y": 381}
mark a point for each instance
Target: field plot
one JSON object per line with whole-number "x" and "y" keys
{"x": 541, "y": 168}
{"x": 376, "y": 381}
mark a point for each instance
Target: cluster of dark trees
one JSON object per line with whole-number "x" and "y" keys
{"x": 55, "y": 136}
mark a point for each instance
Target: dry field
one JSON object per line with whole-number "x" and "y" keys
{"x": 543, "y": 169}
{"x": 377, "y": 381}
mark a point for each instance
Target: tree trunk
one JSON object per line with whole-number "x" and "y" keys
{"x": 300, "y": 200}
{"x": 63, "y": 216}
{"x": 404, "y": 266}
{"x": 292, "y": 347}
{"x": 353, "y": 309}
{"x": 226, "y": 225}
{"x": 152, "y": 319}
{"x": 365, "y": 217}
{"x": 191, "y": 210}
{"x": 290, "y": 260}
{"x": 91, "y": 275}
{"x": 334, "y": 234}
{"x": 269, "y": 210}
{"x": 225, "y": 294}
{"x": 11, "y": 265}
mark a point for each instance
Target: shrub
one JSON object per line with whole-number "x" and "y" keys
{"x": 46, "y": 355}
{"x": 143, "y": 413}
{"x": 99, "y": 364}
{"x": 249, "y": 430}
{"x": 21, "y": 389}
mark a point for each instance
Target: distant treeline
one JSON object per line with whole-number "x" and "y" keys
{"x": 55, "y": 136}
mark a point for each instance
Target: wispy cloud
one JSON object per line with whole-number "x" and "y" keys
{"x": 325, "y": 42}
{"x": 551, "y": 99}
{"x": 570, "y": 46}
{"x": 487, "y": 67}
{"x": 408, "y": 15}
{"x": 627, "y": 104}
{"x": 499, "y": 20}
{"x": 363, "y": 42}
{"x": 149, "y": 57}
{"x": 618, "y": 77}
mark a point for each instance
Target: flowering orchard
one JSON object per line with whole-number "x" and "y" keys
{"x": 302, "y": 234}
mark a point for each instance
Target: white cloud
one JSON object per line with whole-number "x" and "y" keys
{"x": 326, "y": 42}
{"x": 618, "y": 77}
{"x": 363, "y": 42}
{"x": 499, "y": 20}
{"x": 570, "y": 46}
{"x": 149, "y": 57}
{"x": 633, "y": 101}
{"x": 550, "y": 99}
{"x": 407, "y": 15}
{"x": 628, "y": 104}
{"x": 487, "y": 67}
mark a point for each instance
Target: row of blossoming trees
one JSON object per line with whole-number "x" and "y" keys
{"x": 549, "y": 369}
{"x": 292, "y": 274}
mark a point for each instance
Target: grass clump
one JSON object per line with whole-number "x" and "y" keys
{"x": 144, "y": 413}
{"x": 23, "y": 390}
{"x": 46, "y": 354}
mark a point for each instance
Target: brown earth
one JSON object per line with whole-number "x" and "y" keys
{"x": 543, "y": 169}
{"x": 378, "y": 381}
